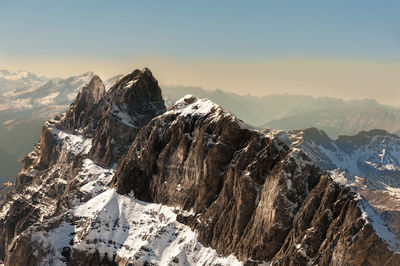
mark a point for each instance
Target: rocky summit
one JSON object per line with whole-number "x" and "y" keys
{"x": 120, "y": 180}
{"x": 368, "y": 162}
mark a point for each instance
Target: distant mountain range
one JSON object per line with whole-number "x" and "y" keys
{"x": 343, "y": 120}
{"x": 27, "y": 101}
{"x": 119, "y": 179}
{"x": 19, "y": 80}
{"x": 369, "y": 162}
{"x": 287, "y": 112}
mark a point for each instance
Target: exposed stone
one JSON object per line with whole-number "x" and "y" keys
{"x": 243, "y": 191}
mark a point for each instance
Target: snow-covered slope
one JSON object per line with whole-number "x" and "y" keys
{"x": 192, "y": 186}
{"x": 18, "y": 80}
{"x": 74, "y": 210}
{"x": 54, "y": 92}
{"x": 109, "y": 223}
{"x": 372, "y": 153}
{"x": 369, "y": 162}
{"x": 26, "y": 102}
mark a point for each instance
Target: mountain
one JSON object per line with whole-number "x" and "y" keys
{"x": 368, "y": 162}
{"x": 54, "y": 93}
{"x": 18, "y": 80}
{"x": 24, "y": 108}
{"x": 246, "y": 107}
{"x": 288, "y": 112}
{"x": 27, "y": 101}
{"x": 337, "y": 121}
{"x": 120, "y": 180}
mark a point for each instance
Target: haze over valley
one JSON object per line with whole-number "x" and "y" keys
{"x": 27, "y": 101}
{"x": 212, "y": 133}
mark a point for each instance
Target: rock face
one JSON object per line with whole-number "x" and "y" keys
{"x": 334, "y": 227}
{"x": 193, "y": 185}
{"x": 199, "y": 158}
{"x": 114, "y": 119}
{"x": 49, "y": 181}
{"x": 241, "y": 188}
{"x": 369, "y": 162}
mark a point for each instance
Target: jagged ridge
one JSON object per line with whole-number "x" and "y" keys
{"x": 368, "y": 162}
{"x": 243, "y": 192}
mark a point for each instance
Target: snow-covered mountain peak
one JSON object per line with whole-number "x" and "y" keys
{"x": 19, "y": 75}
{"x": 38, "y": 94}
{"x": 365, "y": 138}
{"x": 191, "y": 186}
{"x": 189, "y": 105}
{"x": 368, "y": 162}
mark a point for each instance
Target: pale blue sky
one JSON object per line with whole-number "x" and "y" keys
{"x": 80, "y": 35}
{"x": 192, "y": 29}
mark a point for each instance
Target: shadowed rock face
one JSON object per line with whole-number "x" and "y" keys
{"x": 364, "y": 137}
{"x": 369, "y": 162}
{"x": 102, "y": 122}
{"x": 114, "y": 118}
{"x": 319, "y": 137}
{"x": 80, "y": 113}
{"x": 243, "y": 191}
{"x": 329, "y": 229}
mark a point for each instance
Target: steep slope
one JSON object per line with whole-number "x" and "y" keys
{"x": 26, "y": 109}
{"x": 200, "y": 159}
{"x": 335, "y": 227}
{"x": 287, "y": 112}
{"x": 369, "y": 162}
{"x": 192, "y": 186}
{"x": 242, "y": 191}
{"x": 51, "y": 176}
{"x": 114, "y": 119}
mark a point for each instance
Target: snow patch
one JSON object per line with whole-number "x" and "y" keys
{"x": 191, "y": 106}
{"x": 129, "y": 84}
{"x": 54, "y": 242}
{"x": 379, "y": 226}
{"x": 74, "y": 144}
{"x": 104, "y": 176}
{"x": 140, "y": 232}
{"x": 122, "y": 115}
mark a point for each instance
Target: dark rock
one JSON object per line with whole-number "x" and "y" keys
{"x": 247, "y": 194}
{"x": 93, "y": 114}
{"x": 234, "y": 178}
{"x": 114, "y": 118}
{"x": 329, "y": 230}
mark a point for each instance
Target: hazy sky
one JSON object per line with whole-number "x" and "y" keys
{"x": 348, "y": 49}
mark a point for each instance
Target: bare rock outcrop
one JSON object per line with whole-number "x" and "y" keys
{"x": 114, "y": 118}
{"x": 245, "y": 193}
{"x": 100, "y": 126}
{"x": 189, "y": 181}
{"x": 336, "y": 227}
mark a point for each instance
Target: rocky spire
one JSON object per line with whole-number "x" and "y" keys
{"x": 129, "y": 105}
{"x": 246, "y": 193}
{"x": 113, "y": 118}
{"x": 79, "y": 114}
{"x": 204, "y": 175}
